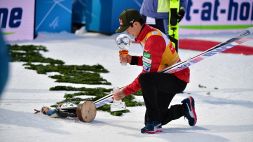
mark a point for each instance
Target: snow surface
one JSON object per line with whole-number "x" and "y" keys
{"x": 224, "y": 114}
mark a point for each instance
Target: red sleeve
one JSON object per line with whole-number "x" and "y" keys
{"x": 133, "y": 87}
{"x": 140, "y": 61}
{"x": 155, "y": 46}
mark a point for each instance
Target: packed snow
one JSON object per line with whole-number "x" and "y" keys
{"x": 222, "y": 87}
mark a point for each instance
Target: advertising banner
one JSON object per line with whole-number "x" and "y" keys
{"x": 214, "y": 16}
{"x": 17, "y": 19}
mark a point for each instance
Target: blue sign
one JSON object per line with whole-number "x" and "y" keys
{"x": 53, "y": 15}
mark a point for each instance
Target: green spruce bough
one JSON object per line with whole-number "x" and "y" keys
{"x": 78, "y": 74}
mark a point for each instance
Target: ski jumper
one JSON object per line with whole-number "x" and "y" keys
{"x": 158, "y": 88}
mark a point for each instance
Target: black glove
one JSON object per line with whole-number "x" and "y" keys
{"x": 180, "y": 14}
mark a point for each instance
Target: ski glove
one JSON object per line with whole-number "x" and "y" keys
{"x": 180, "y": 14}
{"x": 118, "y": 94}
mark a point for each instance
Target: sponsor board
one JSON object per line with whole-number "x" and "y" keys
{"x": 17, "y": 19}
{"x": 213, "y": 16}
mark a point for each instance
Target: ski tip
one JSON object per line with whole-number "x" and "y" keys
{"x": 250, "y": 30}
{"x": 247, "y": 32}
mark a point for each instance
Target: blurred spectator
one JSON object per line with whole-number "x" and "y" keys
{"x": 79, "y": 8}
{"x": 4, "y": 58}
{"x": 149, "y": 11}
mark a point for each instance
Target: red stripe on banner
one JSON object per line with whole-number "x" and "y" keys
{"x": 202, "y": 45}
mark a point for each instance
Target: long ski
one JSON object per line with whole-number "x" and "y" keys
{"x": 184, "y": 64}
{"x": 102, "y": 101}
{"x": 210, "y": 52}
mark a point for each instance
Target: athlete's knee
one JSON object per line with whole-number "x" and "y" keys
{"x": 144, "y": 77}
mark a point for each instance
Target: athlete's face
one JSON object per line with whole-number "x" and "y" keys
{"x": 134, "y": 30}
